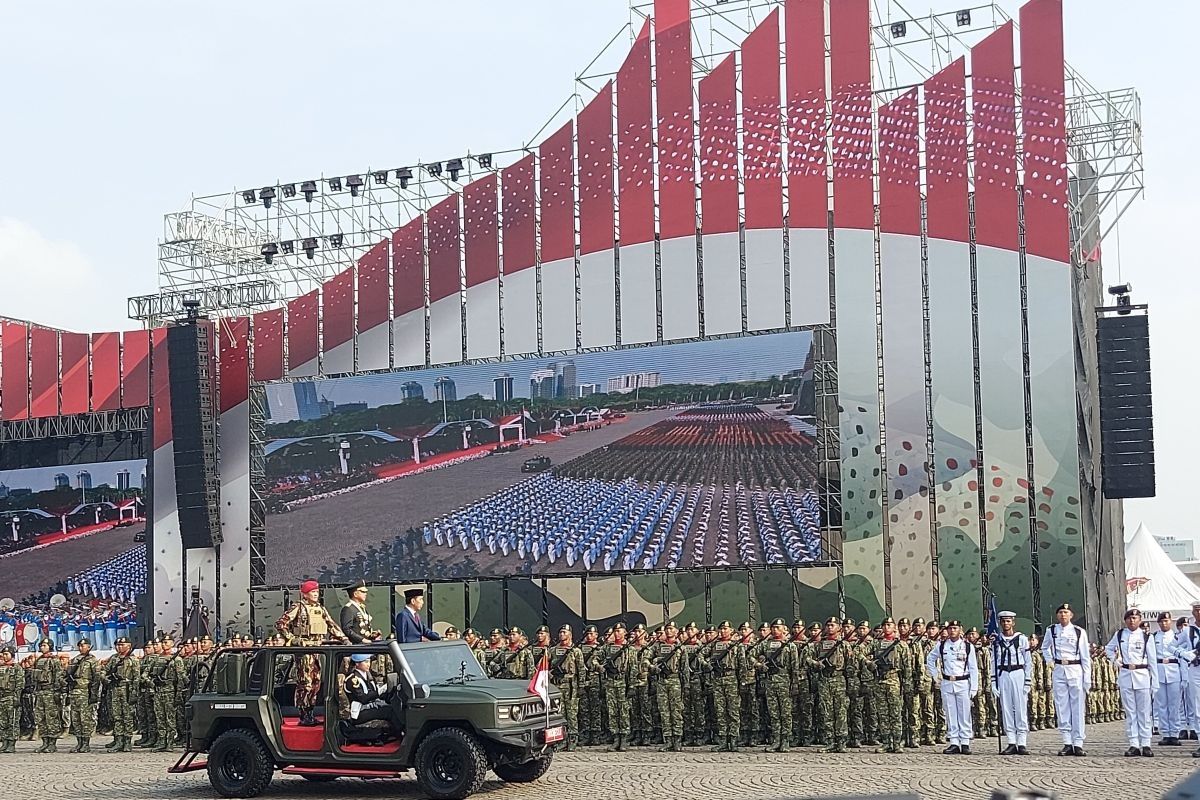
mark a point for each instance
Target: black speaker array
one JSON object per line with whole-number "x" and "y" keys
{"x": 1126, "y": 410}
{"x": 193, "y": 423}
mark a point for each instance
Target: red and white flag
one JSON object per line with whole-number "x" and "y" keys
{"x": 539, "y": 684}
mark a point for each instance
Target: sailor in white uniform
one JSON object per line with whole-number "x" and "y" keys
{"x": 1065, "y": 646}
{"x": 953, "y": 667}
{"x": 1168, "y": 701}
{"x": 1187, "y": 649}
{"x": 1131, "y": 650}
{"x": 1012, "y": 676}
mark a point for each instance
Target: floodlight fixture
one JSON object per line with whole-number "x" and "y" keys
{"x": 289, "y": 189}
{"x": 309, "y": 188}
{"x": 355, "y": 183}
{"x": 288, "y": 247}
{"x": 310, "y": 248}
{"x": 335, "y": 239}
{"x": 434, "y": 169}
{"x": 269, "y": 251}
{"x": 899, "y": 30}
{"x": 404, "y": 175}
{"x": 381, "y": 177}
{"x": 963, "y": 18}
{"x": 335, "y": 184}
{"x": 454, "y": 166}
{"x": 249, "y": 198}
{"x": 266, "y": 194}
{"x": 484, "y": 160}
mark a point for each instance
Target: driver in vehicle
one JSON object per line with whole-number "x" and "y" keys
{"x": 370, "y": 700}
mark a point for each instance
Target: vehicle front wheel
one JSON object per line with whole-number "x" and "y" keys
{"x": 450, "y": 765}
{"x": 239, "y": 764}
{"x": 528, "y": 772}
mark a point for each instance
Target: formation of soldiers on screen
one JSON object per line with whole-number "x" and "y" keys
{"x": 840, "y": 685}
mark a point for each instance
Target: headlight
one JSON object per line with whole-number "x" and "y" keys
{"x": 555, "y": 705}
{"x": 517, "y": 712}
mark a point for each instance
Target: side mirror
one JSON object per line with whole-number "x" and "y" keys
{"x": 421, "y": 691}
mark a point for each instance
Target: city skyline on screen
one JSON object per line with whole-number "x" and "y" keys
{"x": 716, "y": 361}
{"x": 42, "y": 479}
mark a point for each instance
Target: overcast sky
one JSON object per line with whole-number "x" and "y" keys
{"x": 116, "y": 113}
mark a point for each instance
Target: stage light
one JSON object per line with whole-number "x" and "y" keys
{"x": 335, "y": 184}
{"x": 310, "y": 248}
{"x": 381, "y": 177}
{"x": 269, "y": 250}
{"x": 355, "y": 183}
{"x": 266, "y": 194}
{"x": 335, "y": 239}
{"x": 1124, "y": 301}
{"x": 454, "y": 166}
{"x": 899, "y": 30}
{"x": 484, "y": 160}
{"x": 963, "y": 18}
{"x": 289, "y": 189}
{"x": 248, "y": 197}
{"x": 287, "y": 248}
{"x": 434, "y": 169}
{"x": 404, "y": 175}
{"x": 1120, "y": 289}
{"x": 309, "y": 188}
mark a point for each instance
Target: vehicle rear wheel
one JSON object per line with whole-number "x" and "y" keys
{"x": 450, "y": 764}
{"x": 528, "y": 772}
{"x": 239, "y": 764}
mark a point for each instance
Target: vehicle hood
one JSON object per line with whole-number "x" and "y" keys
{"x": 484, "y": 691}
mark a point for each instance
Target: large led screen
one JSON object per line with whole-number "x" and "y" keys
{"x": 74, "y": 525}
{"x": 699, "y": 454}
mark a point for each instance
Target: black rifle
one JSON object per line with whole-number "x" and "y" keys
{"x": 661, "y": 666}
{"x": 772, "y": 661}
{"x": 882, "y": 661}
{"x": 824, "y": 658}
{"x": 556, "y": 667}
{"x": 509, "y": 655}
{"x": 610, "y": 660}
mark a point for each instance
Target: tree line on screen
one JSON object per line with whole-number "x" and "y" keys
{"x": 796, "y": 395}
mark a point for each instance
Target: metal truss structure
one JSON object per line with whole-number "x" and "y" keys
{"x": 97, "y": 422}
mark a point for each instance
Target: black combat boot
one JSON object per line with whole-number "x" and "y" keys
{"x": 676, "y": 744}
{"x": 114, "y": 744}
{"x": 781, "y": 745}
{"x": 45, "y": 748}
{"x": 52, "y": 744}
{"x": 572, "y": 743}
{"x": 126, "y": 745}
{"x": 78, "y": 745}
{"x": 85, "y": 744}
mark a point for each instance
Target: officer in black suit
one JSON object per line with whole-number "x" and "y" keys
{"x": 373, "y": 699}
{"x": 410, "y": 622}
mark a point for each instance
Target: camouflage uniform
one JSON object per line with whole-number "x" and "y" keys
{"x": 982, "y": 721}
{"x": 121, "y": 675}
{"x": 591, "y": 698}
{"x": 514, "y": 663}
{"x": 776, "y": 661}
{"x": 828, "y": 660}
{"x": 696, "y": 730}
{"x": 668, "y": 661}
{"x": 749, "y": 693}
{"x": 83, "y": 681}
{"x": 866, "y": 682}
{"x": 145, "y": 695}
{"x": 891, "y": 662}
{"x": 641, "y": 708}
{"x": 12, "y": 683}
{"x": 854, "y": 706}
{"x": 169, "y": 679}
{"x": 725, "y": 661}
{"x": 566, "y": 670}
{"x": 308, "y": 623}
{"x": 48, "y": 683}
{"x": 924, "y": 719}
{"x": 616, "y": 665}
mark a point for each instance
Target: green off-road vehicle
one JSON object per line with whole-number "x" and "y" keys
{"x": 457, "y": 724}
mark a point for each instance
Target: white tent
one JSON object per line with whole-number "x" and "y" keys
{"x": 1153, "y": 582}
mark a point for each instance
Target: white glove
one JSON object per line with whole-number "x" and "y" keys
{"x": 974, "y": 693}
{"x": 995, "y": 692}
{"x": 1028, "y": 686}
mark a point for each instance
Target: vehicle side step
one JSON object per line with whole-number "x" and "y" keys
{"x": 187, "y": 763}
{"x": 348, "y": 772}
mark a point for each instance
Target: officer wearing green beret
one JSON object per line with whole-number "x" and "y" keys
{"x": 591, "y": 699}
{"x": 775, "y": 661}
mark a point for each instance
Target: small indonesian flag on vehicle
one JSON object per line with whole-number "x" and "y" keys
{"x": 539, "y": 684}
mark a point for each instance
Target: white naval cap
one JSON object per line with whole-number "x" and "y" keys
{"x": 1008, "y": 614}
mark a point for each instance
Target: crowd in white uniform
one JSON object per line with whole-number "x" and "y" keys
{"x": 1158, "y": 675}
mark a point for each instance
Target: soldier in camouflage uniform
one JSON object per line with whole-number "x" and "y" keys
{"x": 668, "y": 662}
{"x": 799, "y": 721}
{"x": 865, "y": 681}
{"x": 514, "y": 662}
{"x": 828, "y": 660}
{"x": 495, "y": 646}
{"x": 121, "y": 675}
{"x": 48, "y": 683}
{"x": 695, "y": 720}
{"x": 145, "y": 694}
{"x": 616, "y": 663}
{"x": 725, "y": 660}
{"x": 982, "y": 723}
{"x": 591, "y": 698}
{"x": 927, "y": 699}
{"x": 749, "y": 696}
{"x": 169, "y": 679}
{"x": 309, "y": 623}
{"x": 774, "y": 660}
{"x": 641, "y": 708}
{"x": 1036, "y": 685}
{"x": 891, "y": 662}
{"x": 12, "y": 683}
{"x": 83, "y": 687}
{"x": 541, "y": 645}
{"x": 566, "y": 671}
{"x": 853, "y": 684}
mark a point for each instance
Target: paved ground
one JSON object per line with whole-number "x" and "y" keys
{"x": 300, "y": 541}
{"x": 34, "y": 570}
{"x": 644, "y": 774}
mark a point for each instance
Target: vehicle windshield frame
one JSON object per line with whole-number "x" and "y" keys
{"x": 425, "y": 662}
